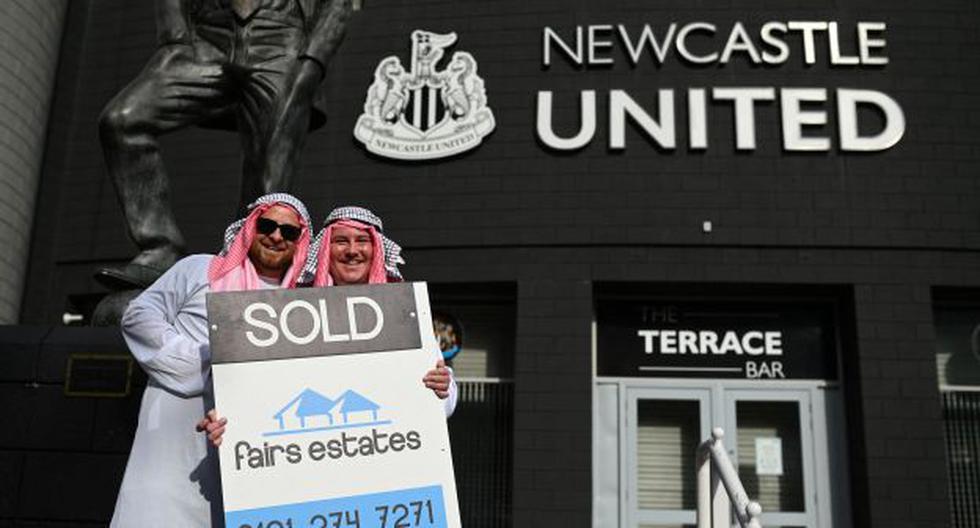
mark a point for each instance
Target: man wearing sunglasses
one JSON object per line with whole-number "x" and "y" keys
{"x": 171, "y": 479}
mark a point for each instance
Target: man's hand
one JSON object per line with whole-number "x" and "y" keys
{"x": 438, "y": 379}
{"x": 213, "y": 427}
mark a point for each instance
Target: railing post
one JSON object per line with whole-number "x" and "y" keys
{"x": 720, "y": 490}
{"x": 703, "y": 461}
{"x": 721, "y": 506}
{"x": 755, "y": 512}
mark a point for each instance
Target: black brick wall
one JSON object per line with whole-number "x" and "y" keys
{"x": 61, "y": 458}
{"x": 511, "y": 190}
{"x": 889, "y": 225}
{"x": 903, "y": 421}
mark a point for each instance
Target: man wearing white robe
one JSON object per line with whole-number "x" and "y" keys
{"x": 171, "y": 478}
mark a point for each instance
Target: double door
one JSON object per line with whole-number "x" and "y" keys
{"x": 777, "y": 438}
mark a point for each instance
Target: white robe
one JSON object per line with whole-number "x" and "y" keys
{"x": 171, "y": 478}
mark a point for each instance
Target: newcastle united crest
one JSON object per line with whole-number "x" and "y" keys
{"x": 425, "y": 113}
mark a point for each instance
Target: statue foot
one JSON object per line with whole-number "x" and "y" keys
{"x": 128, "y": 276}
{"x": 141, "y": 272}
{"x": 110, "y": 309}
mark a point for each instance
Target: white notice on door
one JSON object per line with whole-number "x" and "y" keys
{"x": 769, "y": 456}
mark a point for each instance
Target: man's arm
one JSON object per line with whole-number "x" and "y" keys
{"x": 450, "y": 401}
{"x": 171, "y": 23}
{"x": 168, "y": 357}
{"x": 327, "y": 32}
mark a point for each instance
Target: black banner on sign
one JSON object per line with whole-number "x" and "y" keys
{"x": 278, "y": 324}
{"x": 716, "y": 339}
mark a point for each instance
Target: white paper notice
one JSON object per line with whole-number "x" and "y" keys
{"x": 769, "y": 456}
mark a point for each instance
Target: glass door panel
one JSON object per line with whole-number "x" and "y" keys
{"x": 770, "y": 459}
{"x": 770, "y": 436}
{"x": 663, "y": 431}
{"x": 666, "y": 430}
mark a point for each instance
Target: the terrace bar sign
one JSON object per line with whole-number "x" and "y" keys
{"x": 716, "y": 339}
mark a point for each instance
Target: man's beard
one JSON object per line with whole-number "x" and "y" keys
{"x": 270, "y": 260}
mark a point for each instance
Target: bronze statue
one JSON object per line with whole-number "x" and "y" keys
{"x": 250, "y": 65}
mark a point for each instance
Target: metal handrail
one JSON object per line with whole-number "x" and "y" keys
{"x": 714, "y": 506}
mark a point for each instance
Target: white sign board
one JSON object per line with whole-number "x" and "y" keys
{"x": 769, "y": 456}
{"x": 329, "y": 424}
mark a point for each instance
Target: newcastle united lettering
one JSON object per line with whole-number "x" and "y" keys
{"x": 419, "y": 149}
{"x": 803, "y": 110}
{"x": 591, "y": 44}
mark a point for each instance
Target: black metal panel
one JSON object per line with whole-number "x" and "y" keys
{"x": 962, "y": 413}
{"x": 481, "y": 432}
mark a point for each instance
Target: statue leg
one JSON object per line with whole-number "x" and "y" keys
{"x": 274, "y": 124}
{"x": 171, "y": 93}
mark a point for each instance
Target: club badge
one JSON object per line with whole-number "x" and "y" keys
{"x": 425, "y": 113}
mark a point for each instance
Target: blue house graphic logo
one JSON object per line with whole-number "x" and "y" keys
{"x": 311, "y": 411}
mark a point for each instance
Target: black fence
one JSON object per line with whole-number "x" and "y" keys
{"x": 961, "y": 411}
{"x": 481, "y": 431}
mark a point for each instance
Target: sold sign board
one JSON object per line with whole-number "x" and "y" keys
{"x": 329, "y": 424}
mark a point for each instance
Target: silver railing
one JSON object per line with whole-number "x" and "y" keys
{"x": 720, "y": 491}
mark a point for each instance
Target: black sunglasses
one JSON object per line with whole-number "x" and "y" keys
{"x": 267, "y": 226}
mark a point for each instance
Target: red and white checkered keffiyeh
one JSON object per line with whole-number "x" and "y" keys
{"x": 232, "y": 270}
{"x": 387, "y": 254}
{"x": 377, "y": 275}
